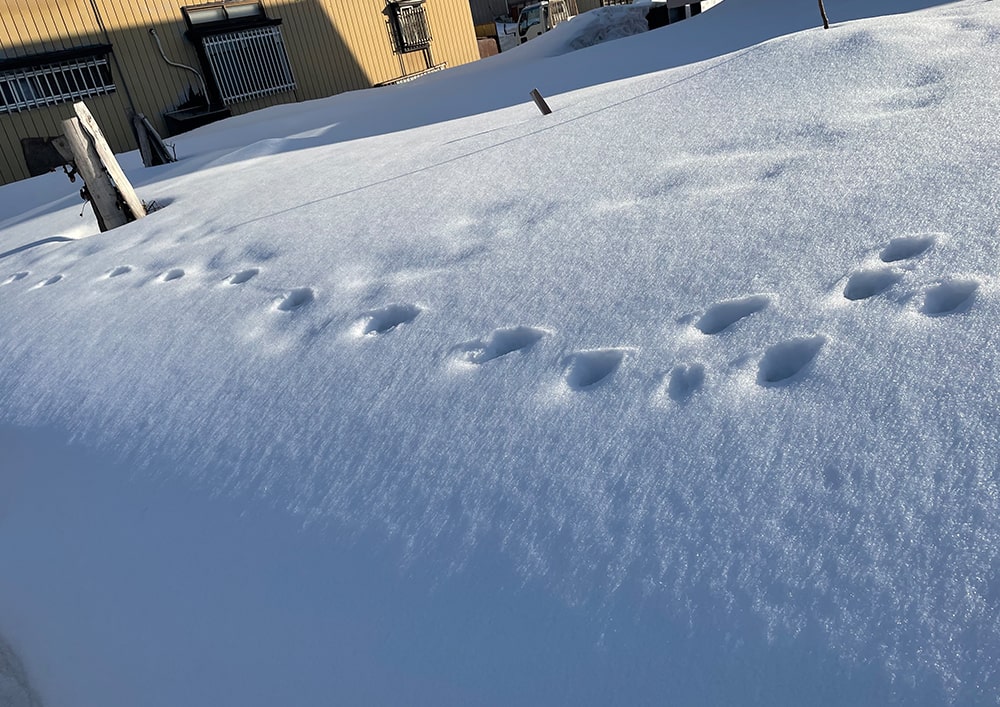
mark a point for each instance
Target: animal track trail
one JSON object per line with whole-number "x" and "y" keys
{"x": 906, "y": 247}
{"x": 949, "y": 297}
{"x": 16, "y": 276}
{"x": 501, "y": 342}
{"x": 50, "y": 281}
{"x": 722, "y": 315}
{"x": 787, "y": 359}
{"x": 243, "y": 276}
{"x": 384, "y": 320}
{"x": 171, "y": 275}
{"x": 685, "y": 380}
{"x": 589, "y": 367}
{"x": 864, "y": 284}
{"x": 296, "y": 299}
{"x": 119, "y": 271}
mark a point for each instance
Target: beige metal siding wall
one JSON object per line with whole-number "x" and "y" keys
{"x": 333, "y": 46}
{"x": 453, "y": 31}
{"x": 36, "y": 26}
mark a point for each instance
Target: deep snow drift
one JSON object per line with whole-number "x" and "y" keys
{"x": 685, "y": 394}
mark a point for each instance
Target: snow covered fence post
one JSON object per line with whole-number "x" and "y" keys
{"x": 540, "y": 102}
{"x": 822, "y": 11}
{"x": 107, "y": 188}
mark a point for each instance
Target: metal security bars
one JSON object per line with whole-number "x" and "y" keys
{"x": 249, "y": 63}
{"x": 47, "y": 84}
{"x": 409, "y": 26}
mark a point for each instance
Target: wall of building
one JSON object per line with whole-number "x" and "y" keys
{"x": 332, "y": 46}
{"x": 484, "y": 11}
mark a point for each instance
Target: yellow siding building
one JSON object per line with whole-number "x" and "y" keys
{"x": 185, "y": 63}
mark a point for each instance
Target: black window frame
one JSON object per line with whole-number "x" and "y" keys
{"x": 409, "y": 26}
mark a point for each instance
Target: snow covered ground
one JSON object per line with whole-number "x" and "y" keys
{"x": 684, "y": 394}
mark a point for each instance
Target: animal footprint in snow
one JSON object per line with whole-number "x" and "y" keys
{"x": 243, "y": 276}
{"x": 685, "y": 380}
{"x": 906, "y": 247}
{"x": 119, "y": 271}
{"x": 51, "y": 281}
{"x": 16, "y": 276}
{"x": 296, "y": 299}
{"x": 501, "y": 342}
{"x": 171, "y": 275}
{"x": 868, "y": 283}
{"x": 587, "y": 368}
{"x": 786, "y": 359}
{"x": 948, "y": 297}
{"x": 722, "y": 315}
{"x": 381, "y": 321}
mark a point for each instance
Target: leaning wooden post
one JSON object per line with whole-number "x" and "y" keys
{"x": 101, "y": 191}
{"x": 109, "y": 161}
{"x": 540, "y": 102}
{"x": 822, "y": 11}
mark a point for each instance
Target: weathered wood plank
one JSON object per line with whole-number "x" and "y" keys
{"x": 88, "y": 164}
{"x": 90, "y": 125}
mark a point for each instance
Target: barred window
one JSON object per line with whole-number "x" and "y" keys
{"x": 241, "y": 48}
{"x": 55, "y": 77}
{"x": 410, "y": 29}
{"x": 249, "y": 63}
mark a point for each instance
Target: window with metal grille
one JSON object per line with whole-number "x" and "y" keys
{"x": 49, "y": 79}
{"x": 249, "y": 63}
{"x": 410, "y": 29}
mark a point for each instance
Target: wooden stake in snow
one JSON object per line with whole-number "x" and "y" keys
{"x": 822, "y": 11}
{"x": 99, "y": 188}
{"x": 115, "y": 201}
{"x": 540, "y": 102}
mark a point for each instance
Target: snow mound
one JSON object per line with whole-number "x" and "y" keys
{"x": 604, "y": 24}
{"x": 685, "y": 393}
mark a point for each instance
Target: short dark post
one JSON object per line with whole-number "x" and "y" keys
{"x": 540, "y": 102}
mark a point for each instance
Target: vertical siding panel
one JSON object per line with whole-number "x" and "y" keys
{"x": 10, "y": 32}
{"x": 300, "y": 30}
{"x": 124, "y": 23}
{"x": 59, "y": 20}
{"x": 348, "y": 69}
{"x": 81, "y": 27}
{"x": 363, "y": 44}
{"x": 11, "y": 159}
{"x": 32, "y": 37}
{"x": 345, "y": 24}
{"x": 340, "y": 72}
{"x": 332, "y": 69}
{"x": 138, "y": 61}
{"x": 379, "y": 40}
{"x": 457, "y": 33}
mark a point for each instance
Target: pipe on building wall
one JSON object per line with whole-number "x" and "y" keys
{"x": 201, "y": 79}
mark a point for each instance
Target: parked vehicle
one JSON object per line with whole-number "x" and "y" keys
{"x": 540, "y": 17}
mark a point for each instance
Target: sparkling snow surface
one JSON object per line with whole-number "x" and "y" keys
{"x": 685, "y": 394}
